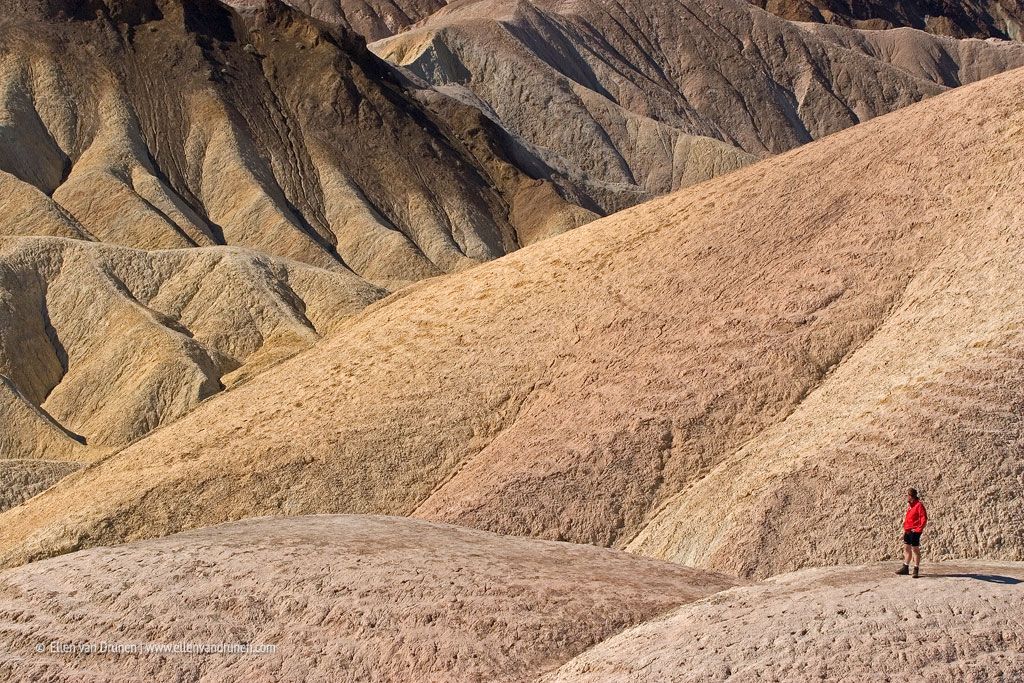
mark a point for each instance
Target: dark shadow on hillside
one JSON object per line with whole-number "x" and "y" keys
{"x": 988, "y": 578}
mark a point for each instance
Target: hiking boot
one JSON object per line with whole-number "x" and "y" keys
{"x": 903, "y": 571}
{"x": 917, "y": 573}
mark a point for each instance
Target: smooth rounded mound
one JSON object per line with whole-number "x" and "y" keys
{"x": 959, "y": 622}
{"x": 339, "y": 598}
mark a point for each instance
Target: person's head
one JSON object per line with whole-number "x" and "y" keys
{"x": 911, "y": 495}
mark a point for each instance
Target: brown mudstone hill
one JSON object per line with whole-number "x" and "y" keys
{"x": 701, "y": 378}
{"x": 339, "y": 598}
{"x": 958, "y": 18}
{"x": 636, "y": 98}
{"x": 372, "y": 19}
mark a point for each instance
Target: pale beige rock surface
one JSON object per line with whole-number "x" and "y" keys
{"x": 28, "y": 432}
{"x": 943, "y": 60}
{"x": 25, "y": 210}
{"x": 22, "y": 479}
{"x": 636, "y": 98}
{"x": 101, "y": 344}
{"x": 35, "y": 451}
{"x": 341, "y": 598}
{"x": 960, "y": 622}
{"x": 783, "y": 348}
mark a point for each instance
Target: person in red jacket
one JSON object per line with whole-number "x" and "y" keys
{"x": 913, "y": 525}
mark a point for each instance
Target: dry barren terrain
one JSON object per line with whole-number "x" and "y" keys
{"x": 341, "y": 599}
{"x": 960, "y": 622}
{"x": 165, "y": 125}
{"x": 325, "y": 349}
{"x": 701, "y": 378}
{"x": 959, "y": 18}
{"x": 633, "y": 99}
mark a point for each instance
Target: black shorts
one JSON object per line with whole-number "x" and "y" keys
{"x": 912, "y": 538}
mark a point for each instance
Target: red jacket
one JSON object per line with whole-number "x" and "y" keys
{"x": 916, "y": 517}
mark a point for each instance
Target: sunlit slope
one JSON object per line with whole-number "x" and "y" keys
{"x": 776, "y": 350}
{"x": 342, "y": 598}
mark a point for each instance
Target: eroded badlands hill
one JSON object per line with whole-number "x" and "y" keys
{"x": 163, "y": 124}
{"x": 341, "y": 598}
{"x": 176, "y": 124}
{"x": 636, "y": 98}
{"x": 958, "y": 18}
{"x": 100, "y": 344}
{"x": 701, "y": 378}
{"x": 372, "y": 19}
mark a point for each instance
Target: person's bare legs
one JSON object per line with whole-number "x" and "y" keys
{"x": 905, "y": 569}
{"x": 915, "y": 552}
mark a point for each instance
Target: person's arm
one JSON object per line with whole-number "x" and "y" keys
{"x": 917, "y": 518}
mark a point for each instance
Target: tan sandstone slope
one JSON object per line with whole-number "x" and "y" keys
{"x": 639, "y": 97}
{"x": 704, "y": 377}
{"x": 960, "y": 623}
{"x": 341, "y": 598}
